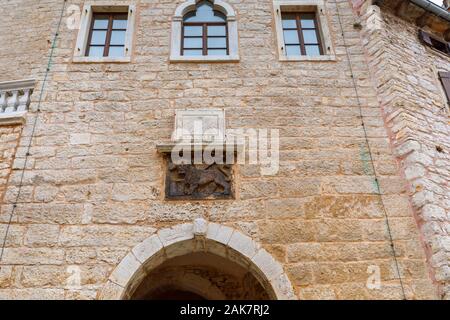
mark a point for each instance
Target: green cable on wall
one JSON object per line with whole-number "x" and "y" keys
{"x": 27, "y": 154}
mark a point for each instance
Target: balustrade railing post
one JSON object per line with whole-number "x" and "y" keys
{"x": 15, "y": 99}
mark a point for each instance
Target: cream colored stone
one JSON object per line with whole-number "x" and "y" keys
{"x": 93, "y": 171}
{"x": 42, "y": 235}
{"x": 243, "y": 244}
{"x": 267, "y": 264}
{"x": 283, "y": 288}
{"x": 180, "y": 248}
{"x": 176, "y": 234}
{"x": 32, "y": 294}
{"x": 200, "y": 227}
{"x": 80, "y": 138}
{"x": 125, "y": 270}
{"x": 147, "y": 248}
{"x": 219, "y": 233}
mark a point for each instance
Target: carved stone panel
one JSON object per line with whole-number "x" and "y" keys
{"x": 200, "y": 125}
{"x": 201, "y": 181}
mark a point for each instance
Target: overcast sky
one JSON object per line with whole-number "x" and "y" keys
{"x": 439, "y": 2}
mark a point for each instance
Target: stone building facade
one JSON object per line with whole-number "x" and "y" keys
{"x": 359, "y": 208}
{"x": 415, "y": 111}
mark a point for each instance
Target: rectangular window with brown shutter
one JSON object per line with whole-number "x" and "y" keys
{"x": 434, "y": 43}
{"x": 445, "y": 79}
{"x": 301, "y": 34}
{"x": 107, "y": 35}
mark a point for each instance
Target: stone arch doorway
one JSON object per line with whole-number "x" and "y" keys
{"x": 196, "y": 261}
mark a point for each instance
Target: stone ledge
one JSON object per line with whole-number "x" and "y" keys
{"x": 204, "y": 59}
{"x": 101, "y": 60}
{"x": 13, "y": 118}
{"x": 308, "y": 58}
{"x": 167, "y": 147}
{"x": 17, "y": 85}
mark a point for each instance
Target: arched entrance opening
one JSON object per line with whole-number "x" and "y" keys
{"x": 200, "y": 276}
{"x": 198, "y": 261}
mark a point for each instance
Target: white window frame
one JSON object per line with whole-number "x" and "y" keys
{"x": 318, "y": 6}
{"x": 89, "y": 8}
{"x": 177, "y": 22}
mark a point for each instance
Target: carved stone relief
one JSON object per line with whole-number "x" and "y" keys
{"x": 198, "y": 181}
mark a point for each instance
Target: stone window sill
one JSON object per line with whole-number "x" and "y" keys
{"x": 12, "y": 118}
{"x": 204, "y": 59}
{"x": 432, "y": 50}
{"x": 308, "y": 58}
{"x": 101, "y": 60}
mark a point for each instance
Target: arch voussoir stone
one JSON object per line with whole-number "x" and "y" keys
{"x": 178, "y": 233}
{"x": 147, "y": 248}
{"x": 125, "y": 271}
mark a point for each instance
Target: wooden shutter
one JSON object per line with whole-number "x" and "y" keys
{"x": 445, "y": 79}
{"x": 433, "y": 42}
{"x": 425, "y": 38}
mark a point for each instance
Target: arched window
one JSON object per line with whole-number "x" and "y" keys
{"x": 204, "y": 30}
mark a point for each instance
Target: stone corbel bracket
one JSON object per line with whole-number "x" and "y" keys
{"x": 15, "y": 98}
{"x": 169, "y": 147}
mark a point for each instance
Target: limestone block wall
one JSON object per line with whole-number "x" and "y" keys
{"x": 26, "y": 32}
{"x": 9, "y": 138}
{"x": 415, "y": 111}
{"x": 95, "y": 185}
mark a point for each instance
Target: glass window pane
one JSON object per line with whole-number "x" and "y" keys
{"x": 116, "y": 51}
{"x": 310, "y": 37}
{"x": 193, "y": 31}
{"x": 98, "y": 37}
{"x": 312, "y": 50}
{"x": 216, "y": 31}
{"x": 293, "y": 50}
{"x": 217, "y": 42}
{"x": 118, "y": 37}
{"x": 307, "y": 23}
{"x": 289, "y": 22}
{"x": 120, "y": 23}
{"x": 193, "y": 52}
{"x": 96, "y": 51}
{"x": 193, "y": 43}
{"x": 101, "y": 23}
{"x": 291, "y": 37}
{"x": 216, "y": 52}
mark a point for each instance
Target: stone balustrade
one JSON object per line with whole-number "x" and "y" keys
{"x": 15, "y": 97}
